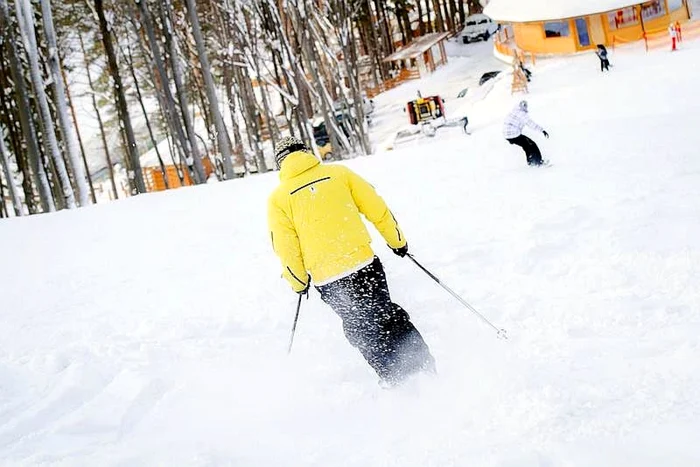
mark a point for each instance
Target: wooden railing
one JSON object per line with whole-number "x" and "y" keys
{"x": 403, "y": 76}
{"x": 504, "y": 48}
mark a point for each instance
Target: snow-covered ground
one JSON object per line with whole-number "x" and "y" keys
{"x": 465, "y": 66}
{"x": 153, "y": 331}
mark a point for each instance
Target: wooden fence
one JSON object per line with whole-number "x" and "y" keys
{"x": 403, "y": 76}
{"x": 660, "y": 38}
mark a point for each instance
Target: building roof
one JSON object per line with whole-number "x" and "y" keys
{"x": 417, "y": 47}
{"x": 521, "y": 11}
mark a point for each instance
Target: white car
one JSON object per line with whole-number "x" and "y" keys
{"x": 478, "y": 27}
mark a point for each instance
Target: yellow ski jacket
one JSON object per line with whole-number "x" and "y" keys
{"x": 315, "y": 223}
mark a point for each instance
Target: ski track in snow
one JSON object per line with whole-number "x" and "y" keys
{"x": 153, "y": 331}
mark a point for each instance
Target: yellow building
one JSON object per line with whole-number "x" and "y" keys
{"x": 569, "y": 26}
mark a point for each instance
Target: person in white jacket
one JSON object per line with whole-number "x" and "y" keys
{"x": 513, "y": 127}
{"x": 673, "y": 33}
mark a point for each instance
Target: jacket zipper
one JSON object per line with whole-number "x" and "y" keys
{"x": 309, "y": 184}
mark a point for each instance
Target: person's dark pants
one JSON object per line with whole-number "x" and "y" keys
{"x": 380, "y": 329}
{"x": 532, "y": 152}
{"x": 604, "y": 65}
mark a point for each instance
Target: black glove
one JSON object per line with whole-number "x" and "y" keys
{"x": 546, "y": 135}
{"x": 403, "y": 251}
{"x": 306, "y": 289}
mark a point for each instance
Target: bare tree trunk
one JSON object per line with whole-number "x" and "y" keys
{"x": 231, "y": 101}
{"x": 38, "y": 172}
{"x": 8, "y": 116}
{"x": 61, "y": 108}
{"x": 378, "y": 51}
{"x": 168, "y": 105}
{"x": 130, "y": 63}
{"x": 136, "y": 175}
{"x": 173, "y": 145}
{"x": 384, "y": 27}
{"x": 446, "y": 15}
{"x": 324, "y": 100}
{"x": 3, "y": 209}
{"x": 407, "y": 24}
{"x": 249, "y": 105}
{"x": 342, "y": 22}
{"x": 276, "y": 62}
{"x": 80, "y": 139}
{"x": 358, "y": 101}
{"x": 404, "y": 37}
{"x": 25, "y": 18}
{"x": 452, "y": 14}
{"x": 429, "y": 20}
{"x": 171, "y": 42}
{"x": 5, "y": 162}
{"x": 221, "y": 133}
{"x": 246, "y": 94}
{"x": 110, "y": 166}
{"x": 269, "y": 117}
{"x": 440, "y": 22}
{"x": 421, "y": 24}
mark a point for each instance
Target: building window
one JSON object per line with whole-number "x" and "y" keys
{"x": 674, "y": 5}
{"x": 623, "y": 18}
{"x": 653, "y": 9}
{"x": 558, "y": 29}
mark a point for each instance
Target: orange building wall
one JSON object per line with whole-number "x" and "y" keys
{"x": 679, "y": 15}
{"x": 530, "y": 37}
{"x": 628, "y": 34}
{"x": 597, "y": 30}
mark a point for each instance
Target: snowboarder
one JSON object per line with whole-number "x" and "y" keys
{"x": 602, "y": 54}
{"x": 513, "y": 127}
{"x": 318, "y": 234}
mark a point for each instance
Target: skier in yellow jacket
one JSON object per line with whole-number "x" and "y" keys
{"x": 318, "y": 234}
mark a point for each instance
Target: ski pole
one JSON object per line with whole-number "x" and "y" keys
{"x": 500, "y": 333}
{"x": 294, "y": 326}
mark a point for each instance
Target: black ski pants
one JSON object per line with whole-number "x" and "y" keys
{"x": 380, "y": 329}
{"x": 604, "y": 64}
{"x": 532, "y": 152}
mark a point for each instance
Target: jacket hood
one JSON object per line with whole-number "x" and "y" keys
{"x": 296, "y": 163}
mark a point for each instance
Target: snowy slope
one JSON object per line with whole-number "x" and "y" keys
{"x": 465, "y": 66}
{"x": 153, "y": 331}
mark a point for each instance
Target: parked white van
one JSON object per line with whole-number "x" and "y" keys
{"x": 478, "y": 27}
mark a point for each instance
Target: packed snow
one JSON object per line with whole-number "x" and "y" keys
{"x": 154, "y": 330}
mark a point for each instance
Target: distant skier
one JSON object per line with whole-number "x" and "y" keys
{"x": 673, "y": 33}
{"x": 602, "y": 54}
{"x": 317, "y": 232}
{"x": 465, "y": 122}
{"x": 513, "y": 127}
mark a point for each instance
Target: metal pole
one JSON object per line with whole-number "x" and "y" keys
{"x": 294, "y": 326}
{"x": 501, "y": 333}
